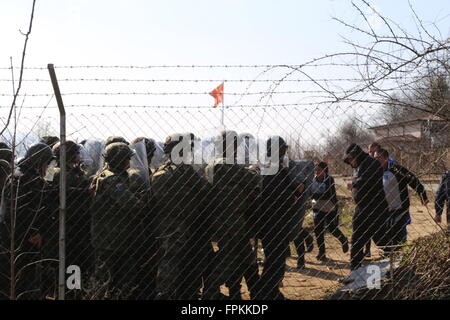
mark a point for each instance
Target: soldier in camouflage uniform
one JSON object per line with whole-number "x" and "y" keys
{"x": 277, "y": 217}
{"x": 248, "y": 151}
{"x": 78, "y": 219}
{"x": 49, "y": 140}
{"x": 183, "y": 225}
{"x": 116, "y": 225}
{"x": 31, "y": 196}
{"x": 113, "y": 139}
{"x": 150, "y": 148}
{"x": 148, "y": 253}
{"x": 101, "y": 165}
{"x": 234, "y": 189}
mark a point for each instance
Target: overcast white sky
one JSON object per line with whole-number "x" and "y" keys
{"x": 178, "y": 32}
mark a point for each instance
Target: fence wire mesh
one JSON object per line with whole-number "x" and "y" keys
{"x": 224, "y": 225}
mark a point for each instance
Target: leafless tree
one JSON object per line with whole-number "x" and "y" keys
{"x": 350, "y": 131}
{"x": 400, "y": 69}
{"x": 13, "y": 246}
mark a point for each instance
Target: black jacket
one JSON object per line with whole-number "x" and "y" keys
{"x": 330, "y": 190}
{"x": 368, "y": 191}
{"x": 278, "y": 205}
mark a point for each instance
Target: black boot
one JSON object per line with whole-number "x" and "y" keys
{"x": 321, "y": 256}
{"x": 345, "y": 247}
{"x": 309, "y": 241}
{"x": 301, "y": 263}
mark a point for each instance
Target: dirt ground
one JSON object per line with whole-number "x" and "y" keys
{"x": 320, "y": 279}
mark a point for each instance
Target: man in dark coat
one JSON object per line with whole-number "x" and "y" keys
{"x": 400, "y": 216}
{"x": 371, "y": 212}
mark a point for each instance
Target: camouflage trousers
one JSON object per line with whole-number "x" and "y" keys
{"x": 115, "y": 275}
{"x": 179, "y": 271}
{"x": 236, "y": 259}
{"x": 148, "y": 255}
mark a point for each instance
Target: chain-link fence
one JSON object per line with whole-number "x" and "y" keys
{"x": 293, "y": 200}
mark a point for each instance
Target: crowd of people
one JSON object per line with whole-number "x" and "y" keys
{"x": 172, "y": 232}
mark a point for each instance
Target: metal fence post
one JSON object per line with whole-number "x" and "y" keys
{"x": 62, "y": 186}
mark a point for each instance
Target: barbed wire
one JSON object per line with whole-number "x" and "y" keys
{"x": 237, "y": 66}
{"x": 148, "y": 93}
{"x": 203, "y": 80}
{"x": 239, "y": 106}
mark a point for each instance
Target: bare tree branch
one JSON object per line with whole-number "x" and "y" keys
{"x": 27, "y": 35}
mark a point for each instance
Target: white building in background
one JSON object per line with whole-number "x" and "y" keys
{"x": 417, "y": 143}
{"x": 429, "y": 132}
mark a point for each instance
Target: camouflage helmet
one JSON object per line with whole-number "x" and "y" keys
{"x": 4, "y": 145}
{"x": 37, "y": 156}
{"x": 116, "y": 153}
{"x": 72, "y": 150}
{"x": 49, "y": 140}
{"x": 150, "y": 145}
{"x": 6, "y": 154}
{"x": 113, "y": 139}
{"x": 171, "y": 141}
{"x": 174, "y": 139}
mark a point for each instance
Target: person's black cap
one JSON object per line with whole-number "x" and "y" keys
{"x": 353, "y": 151}
{"x": 322, "y": 165}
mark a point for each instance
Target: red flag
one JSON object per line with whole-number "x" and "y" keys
{"x": 217, "y": 94}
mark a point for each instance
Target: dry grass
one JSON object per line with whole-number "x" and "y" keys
{"x": 423, "y": 274}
